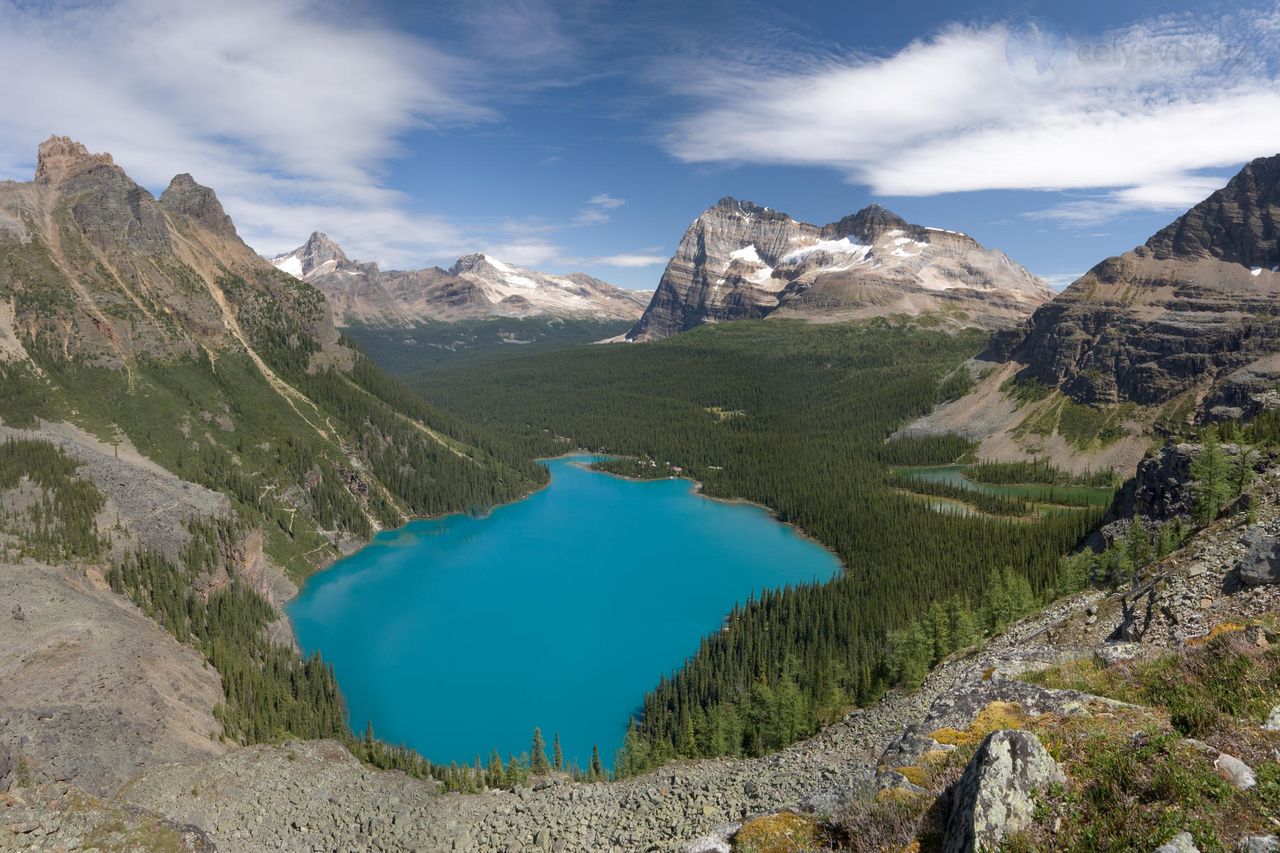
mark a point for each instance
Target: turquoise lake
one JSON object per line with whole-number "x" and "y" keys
{"x": 459, "y": 635}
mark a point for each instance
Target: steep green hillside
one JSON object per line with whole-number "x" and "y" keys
{"x": 794, "y": 417}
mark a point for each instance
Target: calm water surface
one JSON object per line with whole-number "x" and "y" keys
{"x": 459, "y": 635}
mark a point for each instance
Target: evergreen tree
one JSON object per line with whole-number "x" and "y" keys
{"x": 1242, "y": 468}
{"x": 1210, "y": 487}
{"x": 538, "y": 765}
{"x": 596, "y": 773}
{"x": 1137, "y": 545}
{"x": 495, "y": 773}
{"x": 558, "y": 759}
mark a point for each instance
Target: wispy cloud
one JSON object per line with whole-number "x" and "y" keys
{"x": 290, "y": 109}
{"x": 1133, "y": 116}
{"x": 596, "y": 210}
{"x": 631, "y": 261}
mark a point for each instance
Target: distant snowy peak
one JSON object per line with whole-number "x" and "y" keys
{"x": 514, "y": 289}
{"x": 316, "y": 257}
{"x": 740, "y": 260}
{"x": 476, "y": 286}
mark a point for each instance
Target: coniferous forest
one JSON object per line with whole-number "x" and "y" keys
{"x": 795, "y": 417}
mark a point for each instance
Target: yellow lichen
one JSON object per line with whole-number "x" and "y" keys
{"x": 994, "y": 717}
{"x": 784, "y": 832}
{"x": 904, "y": 798}
{"x": 1215, "y": 632}
{"x": 915, "y": 775}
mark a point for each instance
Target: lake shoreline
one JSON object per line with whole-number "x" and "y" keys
{"x": 603, "y": 548}
{"x": 699, "y": 490}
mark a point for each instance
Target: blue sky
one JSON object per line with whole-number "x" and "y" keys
{"x": 587, "y": 135}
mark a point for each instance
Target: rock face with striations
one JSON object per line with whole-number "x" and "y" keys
{"x": 1192, "y": 308}
{"x": 475, "y": 287}
{"x": 739, "y": 260}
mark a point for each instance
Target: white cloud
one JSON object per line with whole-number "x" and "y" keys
{"x": 525, "y": 253}
{"x": 1134, "y": 116}
{"x": 1059, "y": 280}
{"x": 631, "y": 261}
{"x": 606, "y": 201}
{"x": 290, "y": 109}
{"x": 596, "y": 211}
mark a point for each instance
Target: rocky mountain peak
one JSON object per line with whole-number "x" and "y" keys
{"x": 318, "y": 256}
{"x": 867, "y": 225}
{"x": 729, "y": 204}
{"x": 61, "y": 158}
{"x": 321, "y": 248}
{"x": 186, "y": 197}
{"x": 469, "y": 263}
{"x": 1239, "y": 223}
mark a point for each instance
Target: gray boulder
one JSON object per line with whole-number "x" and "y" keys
{"x": 1259, "y": 844}
{"x": 1180, "y": 843}
{"x": 1261, "y": 563}
{"x": 994, "y": 796}
{"x": 1238, "y": 774}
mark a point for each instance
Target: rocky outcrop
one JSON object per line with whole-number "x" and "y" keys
{"x": 61, "y": 158}
{"x": 1261, "y": 561}
{"x": 995, "y": 796}
{"x": 739, "y": 260}
{"x": 112, "y": 211}
{"x": 1161, "y": 488}
{"x": 1192, "y": 308}
{"x": 475, "y": 287}
{"x": 186, "y": 198}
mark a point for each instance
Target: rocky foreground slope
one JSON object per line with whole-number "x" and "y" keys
{"x": 476, "y": 287}
{"x": 739, "y": 260}
{"x": 901, "y": 752}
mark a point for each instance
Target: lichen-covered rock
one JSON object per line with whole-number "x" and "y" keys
{"x": 1259, "y": 844}
{"x": 1273, "y": 720}
{"x": 718, "y": 840}
{"x": 1180, "y": 843}
{"x": 995, "y": 796}
{"x": 783, "y": 832}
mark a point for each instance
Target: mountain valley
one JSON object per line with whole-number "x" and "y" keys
{"x": 190, "y": 431}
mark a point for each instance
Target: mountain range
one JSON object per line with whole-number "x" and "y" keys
{"x": 739, "y": 260}
{"x": 475, "y": 287}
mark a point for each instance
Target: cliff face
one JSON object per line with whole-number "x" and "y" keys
{"x": 1194, "y": 307}
{"x": 98, "y": 270}
{"x": 742, "y": 261}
